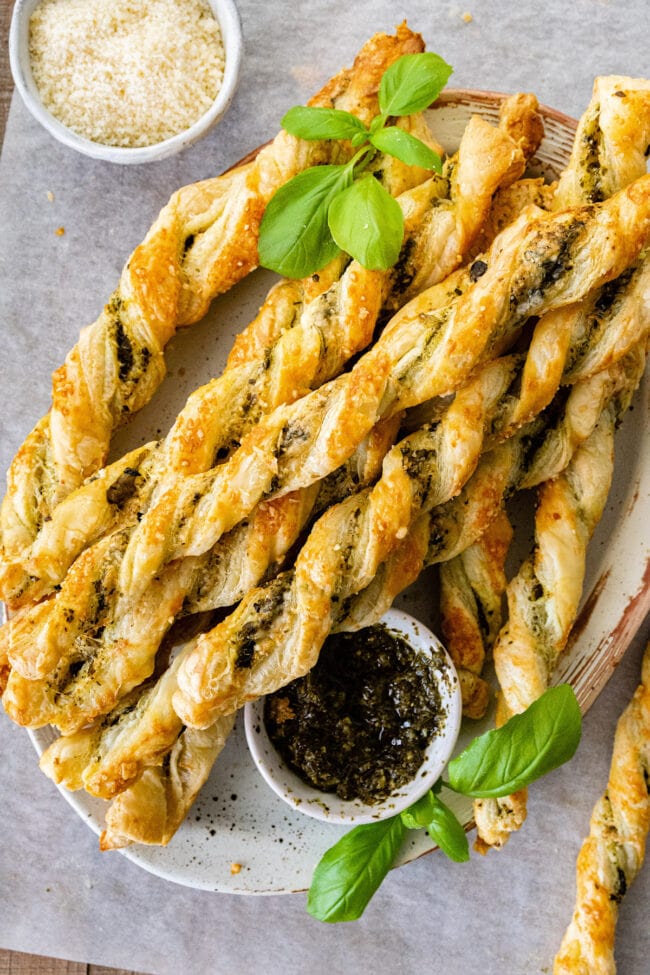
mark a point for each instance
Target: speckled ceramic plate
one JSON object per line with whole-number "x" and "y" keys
{"x": 237, "y": 818}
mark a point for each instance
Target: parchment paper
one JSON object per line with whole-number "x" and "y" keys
{"x": 501, "y": 914}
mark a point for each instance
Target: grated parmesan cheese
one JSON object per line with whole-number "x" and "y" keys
{"x": 126, "y": 72}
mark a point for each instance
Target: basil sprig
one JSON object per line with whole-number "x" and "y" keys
{"x": 528, "y": 746}
{"x": 495, "y": 764}
{"x": 327, "y": 209}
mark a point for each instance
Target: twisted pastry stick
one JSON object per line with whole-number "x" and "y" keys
{"x": 535, "y": 265}
{"x": 153, "y": 808}
{"x": 612, "y": 855}
{"x": 608, "y": 130}
{"x": 204, "y": 241}
{"x": 609, "y": 150}
{"x": 543, "y": 600}
{"x": 471, "y": 587}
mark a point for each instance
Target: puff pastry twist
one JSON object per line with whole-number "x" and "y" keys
{"x": 613, "y": 853}
{"x": 544, "y": 596}
{"x": 471, "y": 587}
{"x": 608, "y": 153}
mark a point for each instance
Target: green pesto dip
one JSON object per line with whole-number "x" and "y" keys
{"x": 360, "y": 722}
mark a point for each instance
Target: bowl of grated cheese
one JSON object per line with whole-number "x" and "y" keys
{"x": 128, "y": 81}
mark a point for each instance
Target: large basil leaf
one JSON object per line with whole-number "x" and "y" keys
{"x": 526, "y": 747}
{"x": 322, "y": 123}
{"x": 351, "y": 871}
{"x": 367, "y": 223}
{"x": 294, "y": 236}
{"x": 412, "y": 83}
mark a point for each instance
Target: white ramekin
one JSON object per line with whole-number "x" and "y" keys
{"x": 328, "y": 806}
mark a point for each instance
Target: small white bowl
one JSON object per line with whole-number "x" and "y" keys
{"x": 328, "y": 806}
{"x": 225, "y": 13}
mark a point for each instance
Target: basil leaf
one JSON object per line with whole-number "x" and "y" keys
{"x": 351, "y": 871}
{"x": 412, "y": 83}
{"x": 294, "y": 236}
{"x": 418, "y": 816}
{"x": 441, "y": 824}
{"x": 322, "y": 123}
{"x": 526, "y": 747}
{"x": 405, "y": 147}
{"x": 445, "y": 829}
{"x": 366, "y": 222}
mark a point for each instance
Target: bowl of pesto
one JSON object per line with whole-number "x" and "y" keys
{"x": 367, "y": 731}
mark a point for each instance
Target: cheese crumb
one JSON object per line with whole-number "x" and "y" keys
{"x": 126, "y": 72}
{"x": 59, "y": 231}
{"x": 50, "y": 196}
{"x": 468, "y": 18}
{"x": 235, "y": 868}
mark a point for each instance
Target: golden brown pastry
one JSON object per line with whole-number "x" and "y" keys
{"x": 303, "y": 336}
{"x": 204, "y": 241}
{"x": 544, "y": 596}
{"x": 612, "y": 855}
{"x": 471, "y": 589}
{"x": 153, "y": 808}
{"x": 609, "y": 152}
{"x": 94, "y": 652}
{"x": 420, "y": 355}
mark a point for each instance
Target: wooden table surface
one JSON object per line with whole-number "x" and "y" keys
{"x": 14, "y": 962}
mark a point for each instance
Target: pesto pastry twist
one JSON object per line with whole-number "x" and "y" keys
{"x": 537, "y": 264}
{"x": 204, "y": 240}
{"x": 543, "y": 599}
{"x": 471, "y": 587}
{"x": 609, "y": 152}
{"x": 151, "y": 810}
{"x": 613, "y": 853}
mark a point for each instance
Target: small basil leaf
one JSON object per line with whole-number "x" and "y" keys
{"x": 418, "y": 816}
{"x": 526, "y": 747}
{"x": 351, "y": 871}
{"x": 412, "y": 83}
{"x": 366, "y": 222}
{"x": 405, "y": 147}
{"x": 322, "y": 123}
{"x": 445, "y": 829}
{"x": 294, "y": 236}
{"x": 441, "y": 824}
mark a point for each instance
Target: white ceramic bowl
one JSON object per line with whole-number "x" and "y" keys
{"x": 227, "y": 16}
{"x": 328, "y": 806}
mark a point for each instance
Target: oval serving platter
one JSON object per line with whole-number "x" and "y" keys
{"x": 237, "y": 818}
